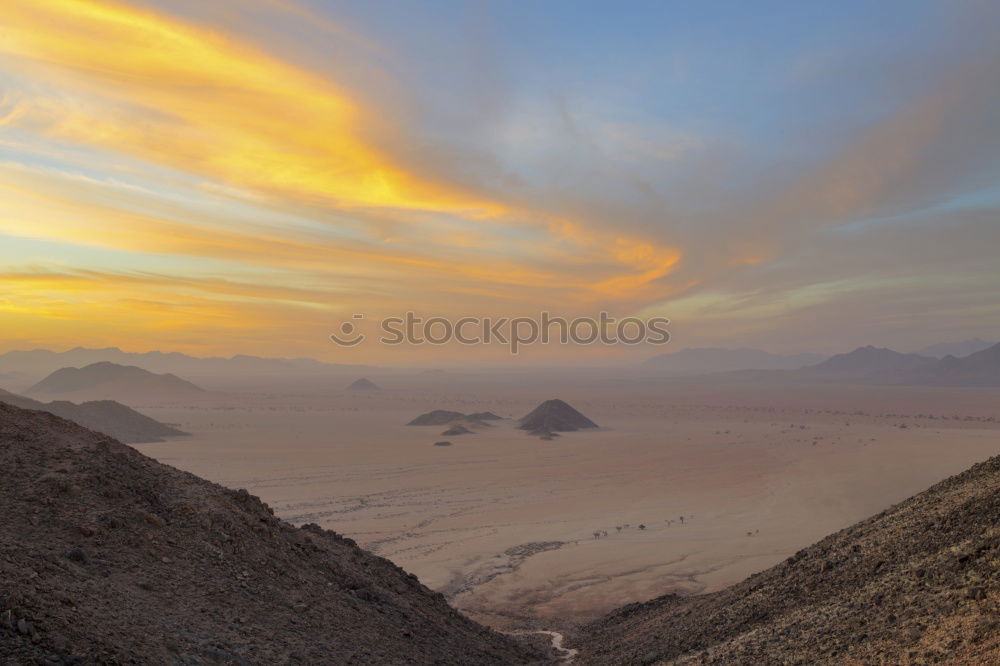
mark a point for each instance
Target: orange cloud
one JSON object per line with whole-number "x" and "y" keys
{"x": 197, "y": 100}
{"x": 117, "y": 80}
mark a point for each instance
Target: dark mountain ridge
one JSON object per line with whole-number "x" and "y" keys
{"x": 107, "y": 556}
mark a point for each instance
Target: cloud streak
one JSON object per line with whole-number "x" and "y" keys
{"x": 273, "y": 185}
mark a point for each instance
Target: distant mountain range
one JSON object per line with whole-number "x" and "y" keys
{"x": 874, "y": 365}
{"x": 959, "y": 349}
{"x": 867, "y": 365}
{"x": 106, "y": 416}
{"x": 41, "y": 362}
{"x": 105, "y": 380}
{"x": 706, "y": 360}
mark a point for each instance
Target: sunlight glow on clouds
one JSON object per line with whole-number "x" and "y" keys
{"x": 273, "y": 195}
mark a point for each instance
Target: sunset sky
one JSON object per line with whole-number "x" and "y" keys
{"x": 239, "y": 176}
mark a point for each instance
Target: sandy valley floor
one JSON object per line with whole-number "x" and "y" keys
{"x": 503, "y": 523}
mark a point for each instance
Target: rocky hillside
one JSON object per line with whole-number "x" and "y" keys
{"x": 107, "y": 556}
{"x": 918, "y": 583}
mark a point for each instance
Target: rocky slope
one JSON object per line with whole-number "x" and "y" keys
{"x": 107, "y": 416}
{"x": 918, "y": 583}
{"x": 107, "y": 556}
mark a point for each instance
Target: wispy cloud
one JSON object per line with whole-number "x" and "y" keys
{"x": 280, "y": 178}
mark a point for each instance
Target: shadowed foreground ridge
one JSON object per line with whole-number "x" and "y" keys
{"x": 918, "y": 583}
{"x": 107, "y": 556}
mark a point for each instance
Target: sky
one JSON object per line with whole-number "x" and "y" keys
{"x": 241, "y": 176}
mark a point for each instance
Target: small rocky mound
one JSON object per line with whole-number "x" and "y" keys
{"x": 485, "y": 416}
{"x": 554, "y": 416}
{"x": 109, "y": 557}
{"x": 437, "y": 417}
{"x": 363, "y": 384}
{"x": 442, "y": 443}
{"x": 457, "y": 429}
{"x": 916, "y": 584}
{"x": 446, "y": 417}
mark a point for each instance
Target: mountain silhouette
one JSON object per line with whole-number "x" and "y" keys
{"x": 363, "y": 384}
{"x": 554, "y": 416}
{"x": 118, "y": 382}
{"x": 38, "y": 363}
{"x": 870, "y": 363}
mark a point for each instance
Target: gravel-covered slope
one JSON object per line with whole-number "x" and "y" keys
{"x": 107, "y": 556}
{"x": 918, "y": 583}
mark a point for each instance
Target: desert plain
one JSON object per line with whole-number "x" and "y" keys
{"x": 688, "y": 485}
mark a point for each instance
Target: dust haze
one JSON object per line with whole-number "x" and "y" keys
{"x": 686, "y": 485}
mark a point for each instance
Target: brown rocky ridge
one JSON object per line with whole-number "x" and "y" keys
{"x": 109, "y": 557}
